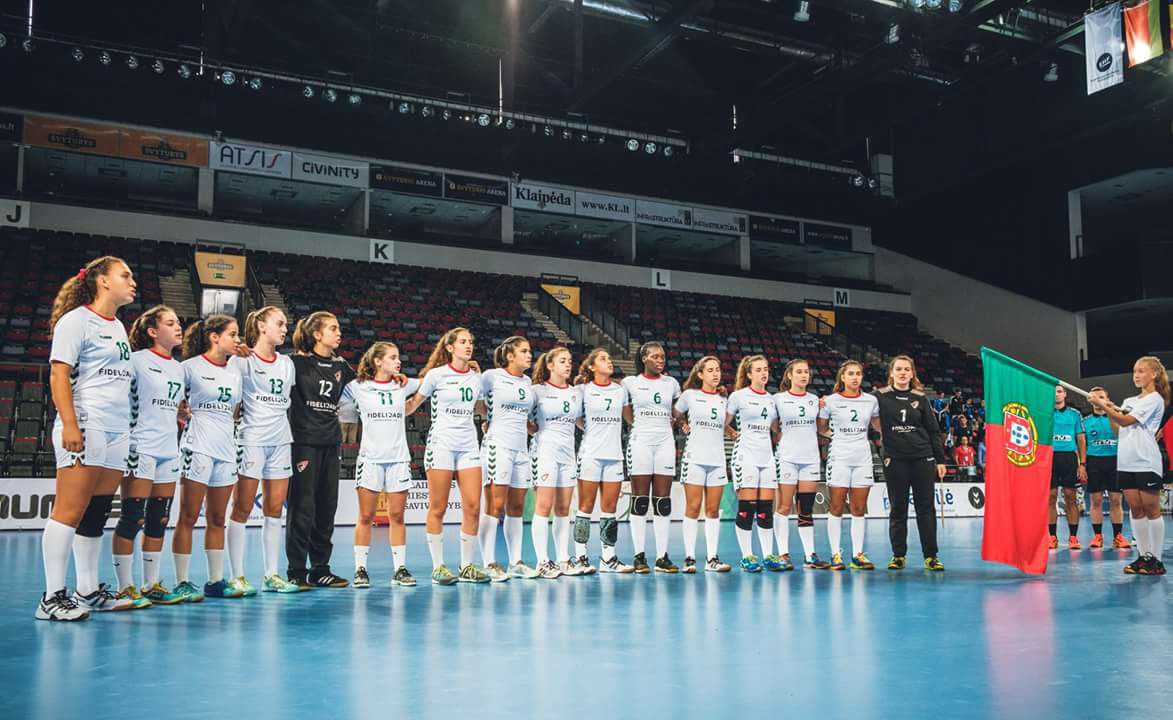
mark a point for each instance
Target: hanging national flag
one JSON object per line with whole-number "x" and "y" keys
{"x": 1020, "y": 403}
{"x": 1142, "y": 31}
{"x": 1104, "y": 51}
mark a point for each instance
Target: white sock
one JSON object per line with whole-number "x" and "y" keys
{"x": 834, "y": 529}
{"x": 361, "y": 552}
{"x": 236, "y": 540}
{"x": 712, "y": 533}
{"x": 271, "y": 543}
{"x": 468, "y": 545}
{"x": 85, "y": 562}
{"x": 562, "y": 538}
{"x": 690, "y": 528}
{"x": 1157, "y": 536}
{"x": 782, "y": 533}
{"x": 766, "y": 538}
{"x": 56, "y": 544}
{"x": 745, "y": 541}
{"x": 487, "y": 534}
{"x": 639, "y": 532}
{"x": 513, "y": 539}
{"x": 807, "y": 536}
{"x": 539, "y": 530}
{"x": 124, "y": 570}
{"x": 661, "y": 524}
{"x": 436, "y": 549}
{"x": 398, "y": 555}
{"x": 151, "y": 568}
{"x": 1140, "y": 530}
{"x": 182, "y": 563}
{"x": 608, "y": 550}
{"x": 215, "y": 565}
{"x": 858, "y": 530}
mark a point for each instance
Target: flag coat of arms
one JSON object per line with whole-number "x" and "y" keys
{"x": 1020, "y": 402}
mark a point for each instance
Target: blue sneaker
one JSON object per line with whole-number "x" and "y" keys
{"x": 221, "y": 589}
{"x": 189, "y": 592}
{"x": 750, "y": 564}
{"x": 773, "y": 563}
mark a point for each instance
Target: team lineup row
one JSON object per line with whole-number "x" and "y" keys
{"x": 252, "y": 419}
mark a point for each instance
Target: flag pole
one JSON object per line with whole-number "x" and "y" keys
{"x": 1072, "y": 388}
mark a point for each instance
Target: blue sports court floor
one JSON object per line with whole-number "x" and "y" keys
{"x": 980, "y": 640}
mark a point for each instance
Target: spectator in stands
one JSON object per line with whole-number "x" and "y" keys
{"x": 963, "y": 428}
{"x": 965, "y": 457}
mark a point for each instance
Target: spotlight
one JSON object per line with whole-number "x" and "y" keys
{"x": 510, "y": 124}
{"x": 78, "y": 55}
{"x": 132, "y": 62}
{"x": 104, "y": 58}
{"x": 668, "y": 151}
{"x": 857, "y": 181}
{"x": 954, "y": 6}
{"x": 566, "y": 134}
{"x": 483, "y": 120}
{"x": 549, "y": 131}
{"x": 354, "y": 99}
{"x": 933, "y": 4}
{"x": 3, "y": 40}
{"x": 873, "y": 183}
{"x": 447, "y": 115}
{"x": 427, "y": 111}
{"x": 184, "y": 70}
{"x": 228, "y": 78}
{"x": 1052, "y": 73}
{"x": 650, "y": 148}
{"x": 803, "y": 13}
{"x": 255, "y": 83}
{"x": 633, "y": 145}
{"x": 583, "y": 137}
{"x": 158, "y": 67}
{"x": 329, "y": 95}
{"x": 28, "y": 45}
{"x": 307, "y": 92}
{"x": 601, "y": 139}
{"x": 404, "y": 108}
{"x": 893, "y": 35}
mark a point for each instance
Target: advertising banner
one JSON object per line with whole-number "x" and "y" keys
{"x": 330, "y": 170}
{"x": 658, "y": 213}
{"x": 835, "y": 237}
{"x": 569, "y": 295}
{"x": 474, "y": 189}
{"x": 407, "y": 180}
{"x": 545, "y": 198}
{"x": 217, "y": 270}
{"x": 163, "y": 147}
{"x": 719, "y": 221}
{"x": 252, "y": 159}
{"x": 1102, "y": 32}
{"x": 768, "y": 229}
{"x": 71, "y": 135}
{"x": 604, "y": 207}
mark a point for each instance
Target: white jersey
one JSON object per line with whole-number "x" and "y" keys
{"x": 510, "y": 402}
{"x": 850, "y": 418}
{"x": 213, "y": 393}
{"x": 155, "y": 394}
{"x": 1137, "y": 449}
{"x": 379, "y": 405}
{"x": 454, "y": 396}
{"x": 267, "y": 386}
{"x": 556, "y": 411}
{"x": 753, "y": 415}
{"x": 651, "y": 402}
{"x": 99, "y": 353}
{"x": 798, "y": 416}
{"x": 602, "y": 421}
{"x": 705, "y": 412}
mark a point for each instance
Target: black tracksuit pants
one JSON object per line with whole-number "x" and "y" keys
{"x": 313, "y": 500}
{"x": 919, "y": 475}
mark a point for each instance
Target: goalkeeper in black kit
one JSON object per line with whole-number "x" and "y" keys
{"x": 914, "y": 457}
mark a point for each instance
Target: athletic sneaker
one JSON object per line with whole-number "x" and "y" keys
{"x": 861, "y": 562}
{"x": 522, "y": 571}
{"x": 102, "y": 600}
{"x": 1156, "y": 567}
{"x": 1097, "y": 542}
{"x": 665, "y": 565}
{"x": 640, "y": 563}
{"x": 189, "y": 592}
{"x": 276, "y": 583}
{"x": 472, "y": 574}
{"x": 689, "y": 566}
{"x": 585, "y": 563}
{"x": 1073, "y": 543}
{"x": 896, "y": 563}
{"x": 772, "y": 562}
{"x": 443, "y": 576}
{"x": 403, "y": 578}
{"x": 158, "y": 594}
{"x": 570, "y": 568}
{"x": 244, "y": 586}
{"x": 932, "y": 563}
{"x": 750, "y": 564}
{"x": 60, "y": 606}
{"x": 1054, "y": 543}
{"x": 549, "y": 570}
{"x": 138, "y": 602}
{"x": 329, "y": 580}
{"x": 1121, "y": 543}
{"x": 615, "y": 565}
{"x": 221, "y": 589}
{"x": 815, "y": 563}
{"x": 496, "y": 573}
{"x": 361, "y": 579}
{"x": 787, "y": 565}
{"x": 301, "y": 581}
{"x": 1133, "y": 568}
{"x": 715, "y": 565}
{"x": 837, "y": 562}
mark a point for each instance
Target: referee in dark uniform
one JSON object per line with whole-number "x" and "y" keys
{"x": 914, "y": 457}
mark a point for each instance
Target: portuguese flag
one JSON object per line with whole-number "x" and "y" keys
{"x": 1020, "y": 403}
{"x": 1142, "y": 31}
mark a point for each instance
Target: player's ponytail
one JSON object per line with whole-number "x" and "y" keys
{"x": 788, "y": 373}
{"x": 366, "y": 365}
{"x": 586, "y": 369}
{"x": 139, "y": 338}
{"x": 197, "y": 338}
{"x": 252, "y": 323}
{"x": 303, "y": 334}
{"x": 82, "y": 288}
{"x": 542, "y": 366}
{"x": 840, "y": 386}
{"x": 741, "y": 379}
{"x": 1161, "y": 382}
{"x": 507, "y": 347}
{"x": 693, "y": 381}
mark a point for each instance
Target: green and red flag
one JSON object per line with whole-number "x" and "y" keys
{"x": 1142, "y": 31}
{"x": 1020, "y": 409}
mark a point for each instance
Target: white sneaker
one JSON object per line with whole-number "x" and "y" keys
{"x": 549, "y": 570}
{"x": 496, "y": 573}
{"x": 714, "y": 564}
{"x": 615, "y": 565}
{"x": 570, "y": 568}
{"x": 522, "y": 571}
{"x": 59, "y": 606}
{"x": 584, "y": 564}
{"x": 102, "y": 600}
